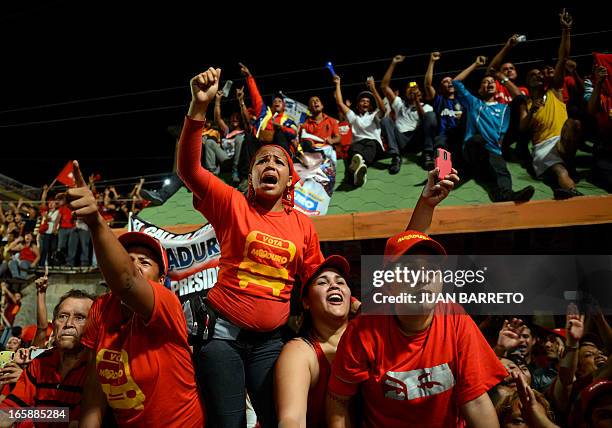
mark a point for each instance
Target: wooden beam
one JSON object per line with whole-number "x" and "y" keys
{"x": 490, "y": 217}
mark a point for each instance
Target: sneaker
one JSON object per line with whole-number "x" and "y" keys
{"x": 356, "y": 162}
{"x": 428, "y": 161}
{"x": 523, "y": 195}
{"x": 396, "y": 164}
{"x": 561, "y": 194}
{"x": 152, "y": 196}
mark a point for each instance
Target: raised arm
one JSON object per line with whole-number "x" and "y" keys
{"x": 41, "y": 312}
{"x": 204, "y": 86}
{"x": 121, "y": 274}
{"x": 43, "y": 199}
{"x": 531, "y": 410}
{"x": 379, "y": 101}
{"x": 599, "y": 77}
{"x": 564, "y": 49}
{"x": 574, "y": 327}
{"x": 430, "y": 91}
{"x": 512, "y": 88}
{"x": 386, "y": 81}
{"x": 256, "y": 99}
{"x": 244, "y": 112}
{"x": 339, "y": 100}
{"x": 499, "y": 57}
{"x": 8, "y": 293}
{"x": 480, "y": 61}
{"x": 433, "y": 193}
{"x": 218, "y": 119}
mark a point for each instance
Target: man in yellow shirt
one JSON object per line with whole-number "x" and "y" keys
{"x": 554, "y": 136}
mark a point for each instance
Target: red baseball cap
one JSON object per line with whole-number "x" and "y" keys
{"x": 132, "y": 239}
{"x": 333, "y": 261}
{"x": 400, "y": 244}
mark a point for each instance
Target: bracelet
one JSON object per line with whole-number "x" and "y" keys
{"x": 504, "y": 80}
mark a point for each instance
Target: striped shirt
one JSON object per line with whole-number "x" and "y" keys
{"x": 41, "y": 385}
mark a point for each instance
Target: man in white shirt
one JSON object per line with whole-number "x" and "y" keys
{"x": 415, "y": 122}
{"x": 366, "y": 127}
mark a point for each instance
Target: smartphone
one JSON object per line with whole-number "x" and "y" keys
{"x": 6, "y": 357}
{"x": 443, "y": 161}
{"x": 227, "y": 87}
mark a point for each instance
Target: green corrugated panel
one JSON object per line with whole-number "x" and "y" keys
{"x": 382, "y": 192}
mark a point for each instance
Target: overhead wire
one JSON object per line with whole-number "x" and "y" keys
{"x": 298, "y": 91}
{"x": 259, "y": 77}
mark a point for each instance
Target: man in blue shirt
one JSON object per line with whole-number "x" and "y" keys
{"x": 487, "y": 123}
{"x": 448, "y": 109}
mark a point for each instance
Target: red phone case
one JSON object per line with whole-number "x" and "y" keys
{"x": 443, "y": 161}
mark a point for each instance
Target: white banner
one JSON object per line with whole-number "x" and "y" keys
{"x": 296, "y": 111}
{"x": 193, "y": 257}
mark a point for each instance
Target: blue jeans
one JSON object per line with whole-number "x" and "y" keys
{"x": 67, "y": 243}
{"x": 226, "y": 369}
{"x": 422, "y": 137}
{"x": 19, "y": 269}
{"x": 83, "y": 238}
{"x": 48, "y": 242}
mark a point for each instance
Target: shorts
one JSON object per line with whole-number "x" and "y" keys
{"x": 545, "y": 155}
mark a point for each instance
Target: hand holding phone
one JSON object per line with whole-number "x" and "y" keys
{"x": 6, "y": 357}
{"x": 443, "y": 162}
{"x": 226, "y": 88}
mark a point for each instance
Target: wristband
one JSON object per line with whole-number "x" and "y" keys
{"x": 504, "y": 80}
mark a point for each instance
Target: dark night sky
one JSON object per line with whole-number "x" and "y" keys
{"x": 58, "y": 51}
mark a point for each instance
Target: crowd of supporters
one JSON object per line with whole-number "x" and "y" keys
{"x": 539, "y": 118}
{"x": 127, "y": 359}
{"x": 44, "y": 233}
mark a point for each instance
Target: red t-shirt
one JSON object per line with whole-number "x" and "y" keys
{"x": 261, "y": 252}
{"x": 346, "y": 137}
{"x": 145, "y": 370}
{"x": 502, "y": 95}
{"x": 42, "y": 385}
{"x": 569, "y": 87}
{"x": 421, "y": 380}
{"x": 66, "y": 220}
{"x": 327, "y": 128}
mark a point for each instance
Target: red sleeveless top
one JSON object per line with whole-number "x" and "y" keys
{"x": 315, "y": 412}
{"x": 27, "y": 255}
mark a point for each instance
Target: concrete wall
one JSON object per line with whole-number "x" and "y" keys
{"x": 59, "y": 284}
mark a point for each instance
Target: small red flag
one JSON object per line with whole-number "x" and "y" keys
{"x": 65, "y": 176}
